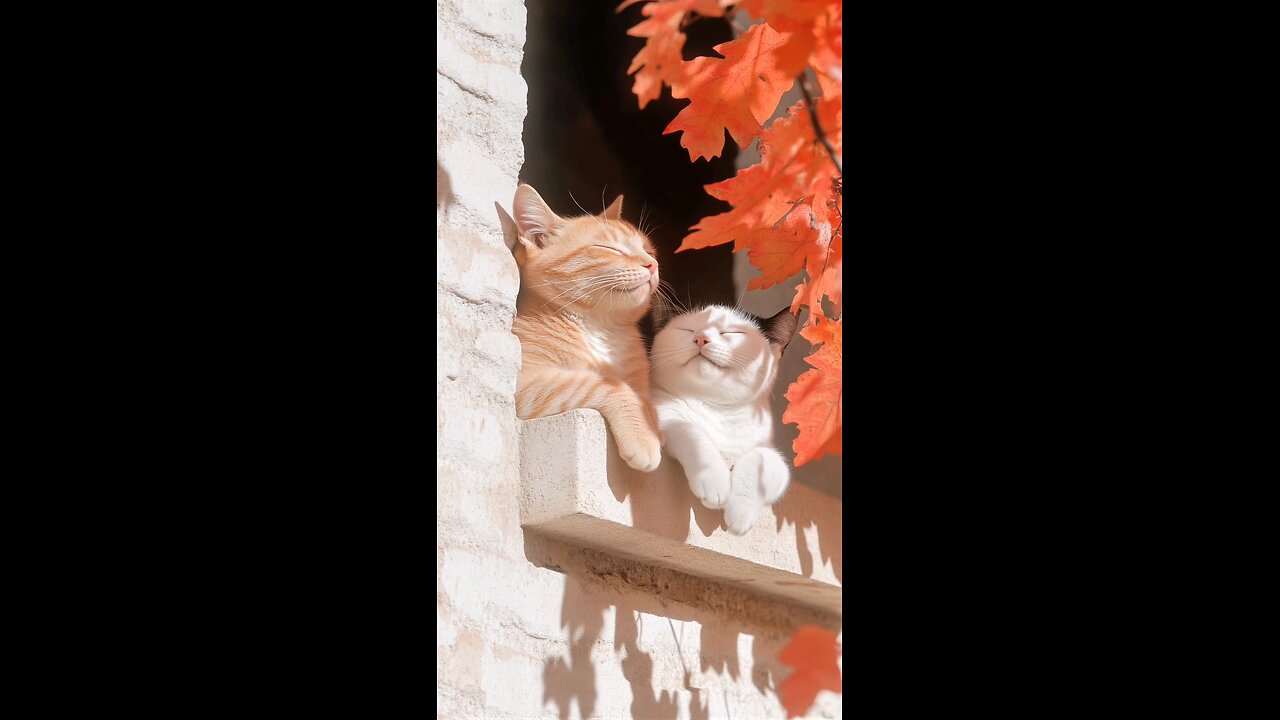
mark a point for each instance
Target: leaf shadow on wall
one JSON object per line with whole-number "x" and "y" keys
{"x": 637, "y": 668}
{"x": 766, "y": 671}
{"x": 661, "y": 501}
{"x": 655, "y": 660}
{"x": 719, "y": 644}
{"x": 829, "y": 529}
{"x": 565, "y": 681}
{"x": 570, "y": 680}
{"x": 444, "y": 188}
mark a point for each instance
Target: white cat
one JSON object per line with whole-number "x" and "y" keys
{"x": 712, "y": 374}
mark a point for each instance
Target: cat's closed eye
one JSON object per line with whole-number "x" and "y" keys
{"x": 606, "y": 247}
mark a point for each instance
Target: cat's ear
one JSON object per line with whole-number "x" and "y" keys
{"x": 510, "y": 235}
{"x": 614, "y": 211}
{"x": 781, "y": 328}
{"x": 534, "y": 219}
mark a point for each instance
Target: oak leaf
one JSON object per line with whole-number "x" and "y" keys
{"x": 816, "y": 398}
{"x": 780, "y": 251}
{"x": 787, "y": 14}
{"x": 828, "y": 55}
{"x": 793, "y": 167}
{"x": 659, "y": 61}
{"x": 737, "y": 93}
{"x": 825, "y": 270}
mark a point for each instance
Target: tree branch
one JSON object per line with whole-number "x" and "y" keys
{"x": 817, "y": 128}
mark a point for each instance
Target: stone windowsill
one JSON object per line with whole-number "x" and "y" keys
{"x": 574, "y": 486}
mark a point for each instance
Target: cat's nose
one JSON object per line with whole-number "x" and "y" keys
{"x": 700, "y": 341}
{"x": 653, "y": 268}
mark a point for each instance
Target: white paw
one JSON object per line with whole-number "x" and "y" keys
{"x": 643, "y": 453}
{"x": 775, "y": 476}
{"x": 711, "y": 485}
{"x": 741, "y": 513}
{"x": 745, "y": 503}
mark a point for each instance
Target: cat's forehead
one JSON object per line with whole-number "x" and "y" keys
{"x": 718, "y": 314}
{"x": 620, "y": 232}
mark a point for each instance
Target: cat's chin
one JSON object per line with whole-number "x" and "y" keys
{"x": 638, "y": 294}
{"x": 642, "y": 294}
{"x": 708, "y": 365}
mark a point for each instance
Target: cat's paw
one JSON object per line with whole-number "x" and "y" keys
{"x": 744, "y": 505}
{"x": 711, "y": 485}
{"x": 740, "y": 513}
{"x": 641, "y": 452}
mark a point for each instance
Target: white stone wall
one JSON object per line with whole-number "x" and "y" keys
{"x": 529, "y": 627}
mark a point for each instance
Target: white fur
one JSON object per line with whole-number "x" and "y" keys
{"x": 600, "y": 343}
{"x": 713, "y": 403}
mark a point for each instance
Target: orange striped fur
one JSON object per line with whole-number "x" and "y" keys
{"x": 584, "y": 284}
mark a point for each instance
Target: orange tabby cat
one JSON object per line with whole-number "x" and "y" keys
{"x": 584, "y": 283}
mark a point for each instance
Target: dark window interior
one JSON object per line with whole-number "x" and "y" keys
{"x": 587, "y": 140}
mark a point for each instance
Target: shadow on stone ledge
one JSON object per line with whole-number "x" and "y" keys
{"x": 666, "y": 512}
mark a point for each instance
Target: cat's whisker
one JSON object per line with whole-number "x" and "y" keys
{"x": 572, "y": 288}
{"x": 575, "y": 202}
{"x": 677, "y": 355}
{"x": 668, "y": 295}
{"x": 745, "y": 364}
{"x": 585, "y": 291}
{"x": 585, "y": 286}
{"x": 605, "y": 284}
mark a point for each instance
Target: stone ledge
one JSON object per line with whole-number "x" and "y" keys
{"x": 574, "y": 486}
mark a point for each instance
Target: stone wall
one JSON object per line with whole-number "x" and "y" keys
{"x": 530, "y": 627}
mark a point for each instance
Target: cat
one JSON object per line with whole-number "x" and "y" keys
{"x": 585, "y": 282}
{"x": 713, "y": 371}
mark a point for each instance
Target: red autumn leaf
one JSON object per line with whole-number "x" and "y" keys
{"x": 710, "y": 8}
{"x": 780, "y": 251}
{"x": 824, "y": 264}
{"x": 806, "y": 20}
{"x": 812, "y": 652}
{"x": 736, "y": 93}
{"x": 793, "y": 167}
{"x": 816, "y": 398}
{"x": 786, "y": 14}
{"x": 803, "y": 291}
{"x": 825, "y": 269}
{"x": 828, "y": 55}
{"x": 659, "y": 61}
